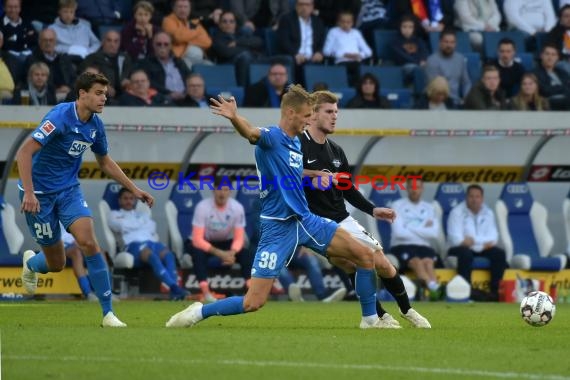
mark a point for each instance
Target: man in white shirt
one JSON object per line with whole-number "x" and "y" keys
{"x": 413, "y": 233}
{"x": 138, "y": 232}
{"x": 471, "y": 231}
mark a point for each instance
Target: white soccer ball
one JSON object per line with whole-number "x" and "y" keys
{"x": 537, "y": 309}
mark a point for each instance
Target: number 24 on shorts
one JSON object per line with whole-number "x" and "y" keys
{"x": 43, "y": 230}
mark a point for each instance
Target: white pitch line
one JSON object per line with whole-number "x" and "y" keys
{"x": 334, "y": 366}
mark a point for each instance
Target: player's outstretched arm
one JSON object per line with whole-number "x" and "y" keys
{"x": 110, "y": 167}
{"x": 228, "y": 109}
{"x": 24, "y": 158}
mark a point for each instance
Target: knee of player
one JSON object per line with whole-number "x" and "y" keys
{"x": 88, "y": 245}
{"x": 57, "y": 267}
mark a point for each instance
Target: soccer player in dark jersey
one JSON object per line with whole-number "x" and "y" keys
{"x": 322, "y": 160}
{"x": 48, "y": 163}
{"x": 286, "y": 221}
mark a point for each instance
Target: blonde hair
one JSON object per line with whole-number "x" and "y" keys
{"x": 145, "y": 6}
{"x": 323, "y": 97}
{"x": 67, "y": 4}
{"x": 520, "y": 103}
{"x": 438, "y": 85}
{"x": 38, "y": 66}
{"x": 295, "y": 97}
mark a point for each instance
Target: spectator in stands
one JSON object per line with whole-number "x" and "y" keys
{"x": 559, "y": 36}
{"x": 166, "y": 71}
{"x": 7, "y": 65}
{"x": 140, "y": 94}
{"x": 190, "y": 40}
{"x": 306, "y": 260}
{"x": 74, "y": 35}
{"x": 20, "y": 37}
{"x": 218, "y": 229}
{"x": 269, "y": 90}
{"x": 208, "y": 11}
{"x": 60, "y": 66}
{"x": 414, "y": 233}
{"x": 195, "y": 93}
{"x": 436, "y": 96}
{"x": 137, "y": 231}
{"x": 487, "y": 94}
{"x": 476, "y": 17}
{"x": 510, "y": 71}
{"x": 554, "y": 83}
{"x": 530, "y": 16}
{"x": 451, "y": 65}
{"x": 430, "y": 15}
{"x": 368, "y": 94}
{"x": 114, "y": 64}
{"x": 528, "y": 98}
{"x": 301, "y": 35}
{"x": 136, "y": 36}
{"x": 410, "y": 51}
{"x": 373, "y": 14}
{"x": 161, "y": 9}
{"x": 37, "y": 91}
{"x": 256, "y": 14}
{"x": 233, "y": 46}
{"x": 347, "y": 46}
{"x": 100, "y": 12}
{"x": 472, "y": 232}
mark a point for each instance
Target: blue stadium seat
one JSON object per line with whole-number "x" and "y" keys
{"x": 390, "y": 77}
{"x": 248, "y": 196}
{"x": 526, "y": 59}
{"x": 383, "y": 50}
{"x": 270, "y": 39}
{"x": 237, "y": 92}
{"x": 463, "y": 44}
{"x": 179, "y": 211}
{"x": 344, "y": 95}
{"x": 11, "y": 238}
{"x": 399, "y": 98}
{"x": 473, "y": 66}
{"x": 541, "y": 39}
{"x": 384, "y": 198}
{"x": 334, "y": 76}
{"x": 260, "y": 70}
{"x": 491, "y": 42}
{"x": 524, "y": 230}
{"x": 217, "y": 75}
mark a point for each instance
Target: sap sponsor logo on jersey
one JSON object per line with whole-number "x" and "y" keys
{"x": 78, "y": 147}
{"x": 47, "y": 128}
{"x": 517, "y": 189}
{"x": 295, "y": 160}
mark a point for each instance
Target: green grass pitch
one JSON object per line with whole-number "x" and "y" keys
{"x": 62, "y": 340}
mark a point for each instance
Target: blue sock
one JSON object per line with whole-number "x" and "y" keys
{"x": 99, "y": 277}
{"x": 159, "y": 269}
{"x": 365, "y": 288}
{"x": 227, "y": 306}
{"x": 170, "y": 264}
{"x": 84, "y": 285}
{"x": 38, "y": 263}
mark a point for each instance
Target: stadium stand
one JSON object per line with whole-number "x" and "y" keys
{"x": 491, "y": 41}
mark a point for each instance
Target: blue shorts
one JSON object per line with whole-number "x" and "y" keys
{"x": 280, "y": 238}
{"x": 136, "y": 247}
{"x": 66, "y": 206}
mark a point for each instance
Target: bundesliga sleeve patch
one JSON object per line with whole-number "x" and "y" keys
{"x": 47, "y": 128}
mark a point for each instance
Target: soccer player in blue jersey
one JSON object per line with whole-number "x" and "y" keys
{"x": 48, "y": 163}
{"x": 285, "y": 217}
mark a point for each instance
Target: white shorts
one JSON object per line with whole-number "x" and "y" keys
{"x": 359, "y": 233}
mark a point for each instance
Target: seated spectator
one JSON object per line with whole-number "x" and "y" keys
{"x": 410, "y": 52}
{"x": 7, "y": 64}
{"x": 471, "y": 231}
{"x": 113, "y": 63}
{"x": 559, "y": 36}
{"x": 373, "y": 14}
{"x": 100, "y": 12}
{"x": 218, "y": 229}
{"x": 61, "y": 71}
{"x": 304, "y": 259}
{"x": 414, "y": 233}
{"x": 232, "y": 46}
{"x": 530, "y": 16}
{"x": 166, "y": 71}
{"x": 161, "y": 9}
{"x": 436, "y": 96}
{"x": 19, "y": 34}
{"x": 208, "y": 11}
{"x": 190, "y": 40}
{"x": 254, "y": 15}
{"x": 528, "y": 98}
{"x": 554, "y": 83}
{"x": 476, "y": 17}
{"x": 269, "y": 90}
{"x": 347, "y": 46}
{"x": 486, "y": 95}
{"x": 368, "y": 94}
{"x": 430, "y": 16}
{"x": 136, "y": 36}
{"x": 451, "y": 65}
{"x": 140, "y": 94}
{"x": 74, "y": 35}
{"x": 510, "y": 71}
{"x": 138, "y": 233}
{"x": 195, "y": 93}
{"x": 37, "y": 91}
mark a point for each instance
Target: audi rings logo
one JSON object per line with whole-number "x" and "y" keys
{"x": 517, "y": 189}
{"x": 452, "y": 189}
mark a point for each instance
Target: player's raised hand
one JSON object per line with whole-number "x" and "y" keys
{"x": 224, "y": 107}
{"x": 144, "y": 196}
{"x": 383, "y": 213}
{"x": 30, "y": 203}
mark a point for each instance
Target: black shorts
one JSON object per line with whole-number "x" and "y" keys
{"x": 406, "y": 252}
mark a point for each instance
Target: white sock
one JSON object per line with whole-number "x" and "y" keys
{"x": 432, "y": 285}
{"x": 370, "y": 319}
